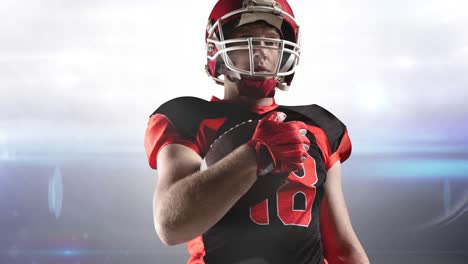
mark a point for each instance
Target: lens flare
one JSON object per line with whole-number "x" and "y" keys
{"x": 56, "y": 193}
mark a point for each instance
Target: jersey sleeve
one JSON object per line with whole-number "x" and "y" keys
{"x": 340, "y": 148}
{"x": 336, "y": 132}
{"x": 330, "y": 133}
{"x": 161, "y": 132}
{"x": 174, "y": 122}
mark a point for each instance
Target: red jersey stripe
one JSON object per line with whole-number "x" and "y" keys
{"x": 342, "y": 153}
{"x": 159, "y": 133}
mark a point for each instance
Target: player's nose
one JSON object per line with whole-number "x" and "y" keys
{"x": 259, "y": 53}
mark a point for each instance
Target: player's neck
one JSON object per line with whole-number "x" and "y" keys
{"x": 258, "y": 102}
{"x": 232, "y": 94}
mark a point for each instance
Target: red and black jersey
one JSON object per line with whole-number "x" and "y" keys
{"x": 280, "y": 224}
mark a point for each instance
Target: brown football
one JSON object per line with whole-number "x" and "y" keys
{"x": 266, "y": 185}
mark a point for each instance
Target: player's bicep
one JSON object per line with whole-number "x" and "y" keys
{"x": 337, "y": 232}
{"x": 175, "y": 161}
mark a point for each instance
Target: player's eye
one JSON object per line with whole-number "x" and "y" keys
{"x": 271, "y": 43}
{"x": 265, "y": 43}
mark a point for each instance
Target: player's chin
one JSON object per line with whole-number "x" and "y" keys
{"x": 256, "y": 78}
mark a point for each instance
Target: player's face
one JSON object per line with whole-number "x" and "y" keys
{"x": 265, "y": 58}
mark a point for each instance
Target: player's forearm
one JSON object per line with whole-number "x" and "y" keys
{"x": 197, "y": 202}
{"x": 349, "y": 255}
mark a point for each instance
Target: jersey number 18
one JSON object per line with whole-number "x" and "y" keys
{"x": 300, "y": 183}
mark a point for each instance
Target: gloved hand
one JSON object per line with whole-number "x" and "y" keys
{"x": 280, "y": 146}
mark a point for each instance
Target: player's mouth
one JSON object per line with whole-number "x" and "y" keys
{"x": 261, "y": 69}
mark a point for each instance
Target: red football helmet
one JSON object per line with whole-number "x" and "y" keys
{"x": 230, "y": 14}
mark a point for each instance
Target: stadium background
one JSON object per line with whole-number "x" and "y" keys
{"x": 78, "y": 80}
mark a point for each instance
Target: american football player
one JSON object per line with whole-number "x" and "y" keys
{"x": 293, "y": 153}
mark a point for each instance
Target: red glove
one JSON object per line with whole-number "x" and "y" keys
{"x": 280, "y": 147}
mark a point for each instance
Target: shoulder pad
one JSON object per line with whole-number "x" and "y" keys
{"x": 180, "y": 104}
{"x": 185, "y": 113}
{"x": 319, "y": 116}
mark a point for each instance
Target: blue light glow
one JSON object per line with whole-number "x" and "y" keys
{"x": 391, "y": 148}
{"x": 412, "y": 168}
{"x": 72, "y": 252}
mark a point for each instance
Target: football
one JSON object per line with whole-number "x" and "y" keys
{"x": 266, "y": 185}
